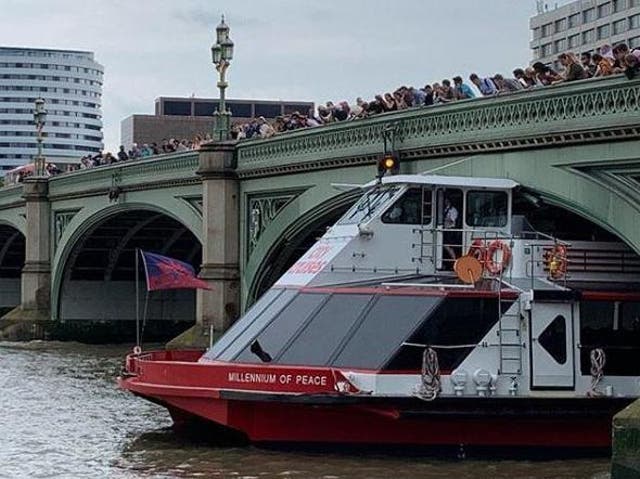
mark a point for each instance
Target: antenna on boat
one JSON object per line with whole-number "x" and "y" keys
{"x": 444, "y": 167}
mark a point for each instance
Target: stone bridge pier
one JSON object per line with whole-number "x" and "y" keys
{"x": 35, "y": 301}
{"x": 51, "y": 296}
{"x": 218, "y": 308}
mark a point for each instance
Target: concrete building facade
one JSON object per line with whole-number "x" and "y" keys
{"x": 70, "y": 82}
{"x": 177, "y": 117}
{"x": 584, "y": 26}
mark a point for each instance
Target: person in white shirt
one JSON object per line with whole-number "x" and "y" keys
{"x": 450, "y": 238}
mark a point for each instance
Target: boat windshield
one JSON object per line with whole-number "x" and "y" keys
{"x": 367, "y": 206}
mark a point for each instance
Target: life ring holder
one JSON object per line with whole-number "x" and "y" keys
{"x": 557, "y": 261}
{"x": 493, "y": 266}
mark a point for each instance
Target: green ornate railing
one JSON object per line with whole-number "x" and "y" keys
{"x": 140, "y": 174}
{"x": 591, "y": 110}
{"x": 564, "y": 113}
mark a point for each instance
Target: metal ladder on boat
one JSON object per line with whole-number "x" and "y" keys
{"x": 509, "y": 334}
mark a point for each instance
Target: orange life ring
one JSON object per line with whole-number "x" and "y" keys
{"x": 491, "y": 263}
{"x": 557, "y": 261}
{"x": 478, "y": 250}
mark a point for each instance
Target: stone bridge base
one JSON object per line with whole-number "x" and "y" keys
{"x": 625, "y": 461}
{"x": 20, "y": 324}
{"x": 196, "y": 337}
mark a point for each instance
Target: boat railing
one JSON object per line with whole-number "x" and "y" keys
{"x": 540, "y": 265}
{"x": 432, "y": 239}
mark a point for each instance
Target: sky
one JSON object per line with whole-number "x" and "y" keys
{"x": 301, "y": 50}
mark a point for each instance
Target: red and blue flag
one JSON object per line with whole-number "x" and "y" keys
{"x": 168, "y": 273}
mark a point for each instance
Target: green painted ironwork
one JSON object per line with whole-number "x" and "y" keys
{"x": 548, "y": 116}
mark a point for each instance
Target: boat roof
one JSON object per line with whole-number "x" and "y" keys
{"x": 440, "y": 180}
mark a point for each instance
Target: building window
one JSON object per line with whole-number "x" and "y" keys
{"x": 561, "y": 25}
{"x": 588, "y": 36}
{"x": 620, "y": 26}
{"x": 536, "y": 53}
{"x": 536, "y": 33}
{"x": 634, "y": 21}
{"x": 634, "y": 42}
{"x": 546, "y": 50}
{"x": 634, "y": 3}
{"x": 180, "y": 108}
{"x": 604, "y": 32}
{"x": 242, "y": 110}
{"x": 202, "y": 108}
{"x": 574, "y": 41}
{"x": 589, "y": 15}
{"x": 303, "y": 109}
{"x": 267, "y": 110}
{"x": 561, "y": 45}
{"x": 546, "y": 30}
{"x": 604, "y": 10}
{"x": 619, "y": 5}
{"x": 574, "y": 20}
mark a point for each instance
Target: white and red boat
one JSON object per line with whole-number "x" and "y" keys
{"x": 371, "y": 338}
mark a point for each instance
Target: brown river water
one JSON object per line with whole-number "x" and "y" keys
{"x": 62, "y": 416}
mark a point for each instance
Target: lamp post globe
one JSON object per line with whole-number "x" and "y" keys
{"x": 39, "y": 118}
{"x": 221, "y": 55}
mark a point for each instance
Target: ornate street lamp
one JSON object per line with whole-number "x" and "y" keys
{"x": 221, "y": 54}
{"x": 39, "y": 118}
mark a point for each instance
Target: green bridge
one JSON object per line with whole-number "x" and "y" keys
{"x": 245, "y": 211}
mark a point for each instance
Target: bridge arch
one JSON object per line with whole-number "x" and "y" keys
{"x": 95, "y": 269}
{"x": 295, "y": 235}
{"x": 577, "y": 201}
{"x": 12, "y": 257}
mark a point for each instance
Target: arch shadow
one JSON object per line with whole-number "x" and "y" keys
{"x": 94, "y": 277}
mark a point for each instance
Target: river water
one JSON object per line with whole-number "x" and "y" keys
{"x": 63, "y": 417}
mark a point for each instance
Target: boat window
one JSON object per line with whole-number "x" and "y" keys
{"x": 487, "y": 208}
{"x": 370, "y": 203}
{"x": 457, "y": 322}
{"x": 283, "y": 327}
{"x": 412, "y": 208}
{"x": 391, "y": 320}
{"x": 265, "y": 317}
{"x": 554, "y": 339}
{"x": 243, "y": 323}
{"x": 320, "y": 338}
{"x": 615, "y": 328}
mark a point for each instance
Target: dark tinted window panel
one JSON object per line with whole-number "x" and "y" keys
{"x": 320, "y": 338}
{"x": 249, "y": 333}
{"x": 268, "y": 111}
{"x": 202, "y": 108}
{"x": 455, "y": 322}
{"x": 240, "y": 109}
{"x": 243, "y": 323}
{"x": 389, "y": 323}
{"x": 284, "y": 326}
{"x": 554, "y": 339}
{"x": 182, "y": 108}
{"x": 302, "y": 109}
{"x": 614, "y": 330}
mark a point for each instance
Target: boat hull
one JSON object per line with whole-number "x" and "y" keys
{"x": 327, "y": 417}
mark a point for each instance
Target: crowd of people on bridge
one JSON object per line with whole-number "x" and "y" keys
{"x": 136, "y": 152}
{"x": 145, "y": 150}
{"x": 608, "y": 61}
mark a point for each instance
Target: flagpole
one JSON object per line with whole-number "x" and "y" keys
{"x": 137, "y": 299}
{"x": 144, "y": 314}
